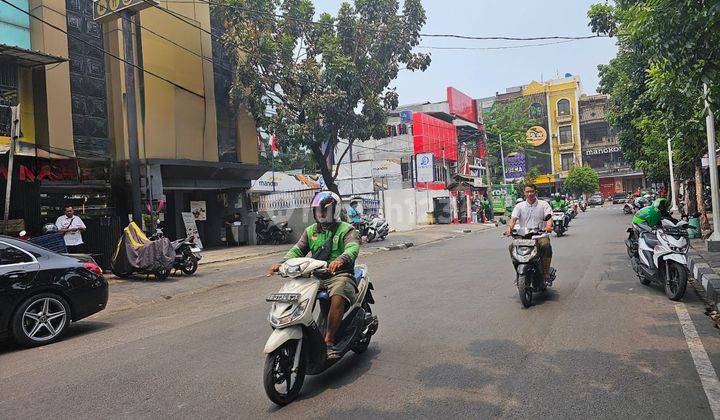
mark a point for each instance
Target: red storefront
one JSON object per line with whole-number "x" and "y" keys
{"x": 432, "y": 135}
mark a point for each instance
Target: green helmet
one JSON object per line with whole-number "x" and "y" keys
{"x": 661, "y": 204}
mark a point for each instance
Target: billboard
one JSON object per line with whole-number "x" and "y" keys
{"x": 515, "y": 166}
{"x": 537, "y": 152}
{"x": 461, "y": 105}
{"x": 425, "y": 167}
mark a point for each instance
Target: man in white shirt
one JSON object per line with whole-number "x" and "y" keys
{"x": 531, "y": 213}
{"x": 71, "y": 227}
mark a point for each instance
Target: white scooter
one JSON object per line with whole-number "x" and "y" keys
{"x": 377, "y": 229}
{"x": 559, "y": 222}
{"x": 661, "y": 256}
{"x": 298, "y": 316}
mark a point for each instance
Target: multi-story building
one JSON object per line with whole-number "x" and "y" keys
{"x": 193, "y": 145}
{"x": 601, "y": 149}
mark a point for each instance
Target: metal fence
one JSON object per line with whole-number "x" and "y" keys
{"x": 286, "y": 200}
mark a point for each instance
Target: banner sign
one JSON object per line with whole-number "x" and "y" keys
{"x": 515, "y": 166}
{"x": 191, "y": 228}
{"x": 199, "y": 210}
{"x": 425, "y": 167}
{"x": 602, "y": 150}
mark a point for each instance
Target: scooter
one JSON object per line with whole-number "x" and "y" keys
{"x": 525, "y": 256}
{"x": 187, "y": 254}
{"x": 298, "y": 316}
{"x": 660, "y": 256}
{"x": 268, "y": 232}
{"x": 583, "y": 205}
{"x": 628, "y": 207}
{"x": 559, "y": 222}
{"x": 377, "y": 228}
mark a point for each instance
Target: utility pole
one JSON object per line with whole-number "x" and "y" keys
{"x": 713, "y": 242}
{"x": 674, "y": 206}
{"x": 134, "y": 154}
{"x": 14, "y": 135}
{"x": 502, "y": 158}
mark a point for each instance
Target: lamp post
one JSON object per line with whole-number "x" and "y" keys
{"x": 713, "y": 242}
{"x": 674, "y": 206}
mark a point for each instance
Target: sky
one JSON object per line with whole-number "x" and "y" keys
{"x": 482, "y": 73}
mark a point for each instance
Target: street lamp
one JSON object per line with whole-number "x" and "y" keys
{"x": 674, "y": 206}
{"x": 713, "y": 242}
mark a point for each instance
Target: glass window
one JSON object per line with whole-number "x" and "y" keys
{"x": 568, "y": 161}
{"x": 11, "y": 255}
{"x": 563, "y": 107}
{"x": 565, "y": 133}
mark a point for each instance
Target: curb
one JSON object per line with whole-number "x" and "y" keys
{"x": 706, "y": 276}
{"x": 395, "y": 247}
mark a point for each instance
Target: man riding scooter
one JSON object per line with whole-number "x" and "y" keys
{"x": 336, "y": 242}
{"x": 560, "y": 204}
{"x": 650, "y": 217}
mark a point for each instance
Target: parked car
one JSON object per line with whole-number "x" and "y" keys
{"x": 42, "y": 292}
{"x": 619, "y": 198}
{"x": 596, "y": 200}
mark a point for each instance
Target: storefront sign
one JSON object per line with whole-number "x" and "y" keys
{"x": 191, "y": 228}
{"x": 536, "y": 135}
{"x": 425, "y": 167}
{"x": 105, "y": 10}
{"x": 199, "y": 210}
{"x": 602, "y": 150}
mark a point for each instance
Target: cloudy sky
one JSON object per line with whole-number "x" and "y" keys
{"x": 481, "y": 73}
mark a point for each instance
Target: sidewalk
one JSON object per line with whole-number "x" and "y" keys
{"x": 705, "y": 267}
{"x": 219, "y": 267}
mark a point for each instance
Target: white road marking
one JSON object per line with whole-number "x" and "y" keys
{"x": 704, "y": 367}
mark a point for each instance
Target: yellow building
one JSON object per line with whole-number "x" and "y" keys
{"x": 562, "y": 96}
{"x": 193, "y": 146}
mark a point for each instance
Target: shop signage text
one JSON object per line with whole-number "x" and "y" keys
{"x": 602, "y": 150}
{"x": 105, "y": 10}
{"x": 536, "y": 135}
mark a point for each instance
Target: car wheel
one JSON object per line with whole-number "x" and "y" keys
{"x": 40, "y": 320}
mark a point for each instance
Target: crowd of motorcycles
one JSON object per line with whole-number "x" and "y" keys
{"x": 659, "y": 255}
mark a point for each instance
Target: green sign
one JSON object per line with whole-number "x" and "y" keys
{"x": 503, "y": 198}
{"x": 106, "y": 10}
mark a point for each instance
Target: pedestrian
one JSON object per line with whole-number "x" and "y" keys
{"x": 71, "y": 227}
{"x": 487, "y": 209}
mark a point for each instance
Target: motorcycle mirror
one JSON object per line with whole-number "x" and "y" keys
{"x": 548, "y": 217}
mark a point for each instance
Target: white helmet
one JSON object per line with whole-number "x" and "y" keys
{"x": 331, "y": 202}
{"x": 519, "y": 200}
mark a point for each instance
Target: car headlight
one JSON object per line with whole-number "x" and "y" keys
{"x": 294, "y": 316}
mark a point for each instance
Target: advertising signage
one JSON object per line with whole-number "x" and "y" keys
{"x": 461, "y": 105}
{"x": 515, "y": 166}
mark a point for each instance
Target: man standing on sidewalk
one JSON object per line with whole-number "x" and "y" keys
{"x": 71, "y": 227}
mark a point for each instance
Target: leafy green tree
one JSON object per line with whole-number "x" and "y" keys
{"x": 314, "y": 83}
{"x": 582, "y": 180}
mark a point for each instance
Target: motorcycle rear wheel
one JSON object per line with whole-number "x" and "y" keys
{"x": 190, "y": 265}
{"x": 278, "y": 371}
{"x": 676, "y": 281}
{"x": 525, "y": 291}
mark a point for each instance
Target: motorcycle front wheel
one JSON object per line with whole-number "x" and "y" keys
{"x": 676, "y": 279}
{"x": 281, "y": 384}
{"x": 525, "y": 291}
{"x": 190, "y": 265}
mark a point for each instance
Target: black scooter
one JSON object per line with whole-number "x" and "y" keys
{"x": 525, "y": 256}
{"x": 267, "y": 232}
{"x": 187, "y": 254}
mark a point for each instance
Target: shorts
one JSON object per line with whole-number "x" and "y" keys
{"x": 544, "y": 245}
{"x": 342, "y": 284}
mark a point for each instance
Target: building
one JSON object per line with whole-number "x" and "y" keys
{"x": 601, "y": 148}
{"x": 193, "y": 145}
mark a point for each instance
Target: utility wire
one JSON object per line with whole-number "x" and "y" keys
{"x": 101, "y": 49}
{"x": 506, "y": 47}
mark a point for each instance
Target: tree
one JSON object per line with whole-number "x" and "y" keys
{"x": 582, "y": 180}
{"x": 314, "y": 83}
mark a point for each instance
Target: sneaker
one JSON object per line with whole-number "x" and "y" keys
{"x": 332, "y": 353}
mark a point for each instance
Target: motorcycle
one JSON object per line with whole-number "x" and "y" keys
{"x": 628, "y": 207}
{"x": 298, "y": 315}
{"x": 377, "y": 228}
{"x": 559, "y": 222}
{"x": 267, "y": 232}
{"x": 187, "y": 254}
{"x": 660, "y": 256}
{"x": 525, "y": 256}
{"x": 583, "y": 205}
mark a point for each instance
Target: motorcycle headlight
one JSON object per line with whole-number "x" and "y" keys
{"x": 294, "y": 316}
{"x": 524, "y": 250}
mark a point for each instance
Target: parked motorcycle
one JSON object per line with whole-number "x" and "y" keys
{"x": 267, "y": 232}
{"x": 299, "y": 316}
{"x": 660, "y": 256}
{"x": 377, "y": 228}
{"x": 136, "y": 253}
{"x": 559, "y": 222}
{"x": 525, "y": 256}
{"x": 187, "y": 254}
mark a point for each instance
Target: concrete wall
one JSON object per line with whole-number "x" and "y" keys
{"x": 405, "y": 209}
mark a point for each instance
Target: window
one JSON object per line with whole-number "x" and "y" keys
{"x": 11, "y": 255}
{"x": 568, "y": 161}
{"x": 565, "y": 134}
{"x": 563, "y": 107}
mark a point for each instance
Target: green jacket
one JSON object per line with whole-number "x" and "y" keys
{"x": 649, "y": 214}
{"x": 345, "y": 248}
{"x": 559, "y": 204}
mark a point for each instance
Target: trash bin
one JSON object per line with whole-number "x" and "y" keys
{"x": 442, "y": 210}
{"x": 694, "y": 227}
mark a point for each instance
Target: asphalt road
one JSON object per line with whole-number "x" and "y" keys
{"x": 453, "y": 342}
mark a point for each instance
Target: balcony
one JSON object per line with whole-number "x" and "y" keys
{"x": 565, "y": 118}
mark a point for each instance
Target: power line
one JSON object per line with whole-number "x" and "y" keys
{"x": 511, "y": 38}
{"x": 507, "y": 47}
{"x": 101, "y": 49}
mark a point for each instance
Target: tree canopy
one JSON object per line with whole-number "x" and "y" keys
{"x": 314, "y": 83}
{"x": 582, "y": 180}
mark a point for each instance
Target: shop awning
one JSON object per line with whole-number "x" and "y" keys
{"x": 27, "y": 58}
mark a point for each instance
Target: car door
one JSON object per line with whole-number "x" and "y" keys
{"x": 18, "y": 269}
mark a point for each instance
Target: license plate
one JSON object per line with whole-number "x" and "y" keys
{"x": 195, "y": 249}
{"x": 283, "y": 297}
{"x": 524, "y": 242}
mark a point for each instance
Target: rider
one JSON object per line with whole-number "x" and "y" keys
{"x": 559, "y": 203}
{"x": 336, "y": 242}
{"x": 531, "y": 213}
{"x": 652, "y": 215}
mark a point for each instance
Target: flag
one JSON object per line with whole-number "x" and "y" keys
{"x": 261, "y": 144}
{"x": 274, "y": 145}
